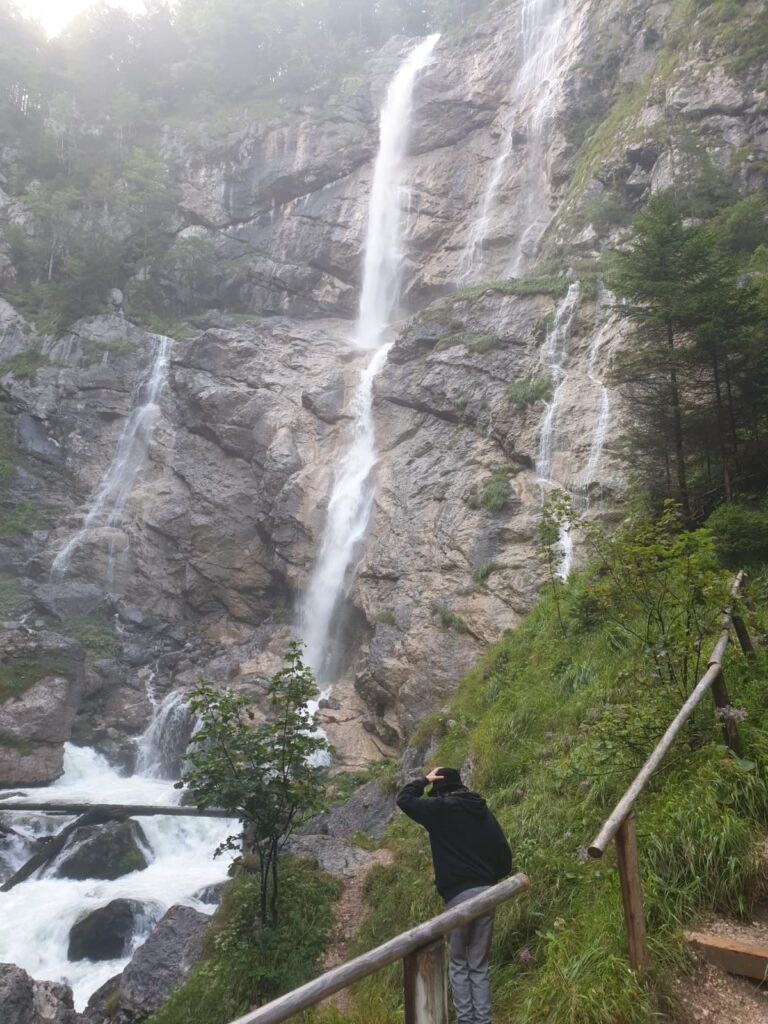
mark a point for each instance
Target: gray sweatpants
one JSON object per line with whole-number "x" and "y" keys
{"x": 468, "y": 948}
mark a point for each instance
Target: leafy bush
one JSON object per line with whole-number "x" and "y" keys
{"x": 741, "y": 534}
{"x": 448, "y": 619}
{"x": 245, "y": 965}
{"x": 24, "y": 364}
{"x": 492, "y": 495}
{"x": 18, "y": 676}
{"x": 473, "y": 342}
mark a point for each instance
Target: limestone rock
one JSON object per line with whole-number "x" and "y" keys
{"x": 26, "y": 1001}
{"x": 104, "y": 851}
{"x": 368, "y": 810}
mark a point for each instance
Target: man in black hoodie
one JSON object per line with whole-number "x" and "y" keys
{"x": 469, "y": 854}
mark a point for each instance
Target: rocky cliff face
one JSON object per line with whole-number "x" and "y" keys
{"x": 203, "y": 569}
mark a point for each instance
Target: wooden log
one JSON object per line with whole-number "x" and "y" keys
{"x": 631, "y": 891}
{"x": 396, "y": 949}
{"x": 48, "y": 851}
{"x": 426, "y": 989}
{"x": 745, "y": 640}
{"x": 118, "y": 810}
{"x": 722, "y": 700}
{"x": 736, "y": 956}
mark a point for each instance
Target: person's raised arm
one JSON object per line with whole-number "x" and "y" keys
{"x": 409, "y": 799}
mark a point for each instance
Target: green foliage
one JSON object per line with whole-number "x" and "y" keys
{"x": 544, "y": 284}
{"x": 24, "y": 364}
{"x": 10, "y": 594}
{"x": 527, "y": 392}
{"x": 479, "y": 343}
{"x": 741, "y": 534}
{"x": 244, "y": 964}
{"x": 95, "y": 635}
{"x": 492, "y": 495}
{"x": 483, "y": 571}
{"x": 555, "y": 724}
{"x": 265, "y": 775}
{"x": 17, "y": 517}
{"x": 17, "y": 676}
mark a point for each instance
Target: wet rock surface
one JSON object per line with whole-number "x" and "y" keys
{"x": 105, "y": 934}
{"x": 104, "y": 851}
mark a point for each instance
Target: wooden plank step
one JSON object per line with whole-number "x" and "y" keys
{"x": 749, "y": 959}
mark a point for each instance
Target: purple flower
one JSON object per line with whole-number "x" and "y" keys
{"x": 524, "y": 956}
{"x": 584, "y": 727}
{"x": 584, "y": 784}
{"x": 582, "y": 853}
{"x": 594, "y": 713}
{"x": 567, "y": 739}
{"x": 519, "y": 792}
{"x": 568, "y": 834}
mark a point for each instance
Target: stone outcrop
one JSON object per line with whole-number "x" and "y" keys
{"x": 156, "y": 969}
{"x": 105, "y": 933}
{"x": 25, "y": 1001}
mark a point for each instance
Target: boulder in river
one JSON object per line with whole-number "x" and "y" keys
{"x": 105, "y": 933}
{"x": 105, "y": 851}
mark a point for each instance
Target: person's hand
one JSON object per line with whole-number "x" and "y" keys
{"x": 434, "y": 775}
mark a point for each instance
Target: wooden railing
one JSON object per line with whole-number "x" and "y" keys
{"x": 620, "y": 824}
{"x": 421, "y": 949}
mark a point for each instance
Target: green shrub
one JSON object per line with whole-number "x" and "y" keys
{"x": 480, "y": 343}
{"x": 18, "y": 676}
{"x": 448, "y": 619}
{"x": 741, "y": 534}
{"x": 526, "y": 392}
{"x": 491, "y": 495}
{"x": 245, "y": 965}
{"x": 95, "y": 635}
{"x": 18, "y": 517}
{"x": 481, "y": 572}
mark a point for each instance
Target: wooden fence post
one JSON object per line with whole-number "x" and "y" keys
{"x": 744, "y": 638}
{"x": 631, "y": 891}
{"x": 426, "y": 989}
{"x": 722, "y": 700}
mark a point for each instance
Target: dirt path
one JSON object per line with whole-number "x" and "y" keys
{"x": 349, "y": 912}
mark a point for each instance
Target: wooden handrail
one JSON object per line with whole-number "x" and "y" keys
{"x": 620, "y": 824}
{"x": 417, "y": 940}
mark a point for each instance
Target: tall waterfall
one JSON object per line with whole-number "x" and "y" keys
{"x": 554, "y": 355}
{"x": 114, "y": 489}
{"x": 36, "y": 916}
{"x": 352, "y": 493}
{"x": 599, "y": 431}
{"x": 531, "y": 105}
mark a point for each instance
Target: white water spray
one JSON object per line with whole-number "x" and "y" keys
{"x": 554, "y": 356}
{"x": 600, "y": 428}
{"x": 352, "y": 493}
{"x": 115, "y": 486}
{"x": 531, "y": 104}
{"x": 37, "y": 915}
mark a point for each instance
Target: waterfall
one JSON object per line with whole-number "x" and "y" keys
{"x": 113, "y": 491}
{"x": 37, "y": 915}
{"x": 603, "y": 409}
{"x": 352, "y": 492}
{"x": 554, "y": 355}
{"x": 160, "y": 749}
{"x": 530, "y": 108}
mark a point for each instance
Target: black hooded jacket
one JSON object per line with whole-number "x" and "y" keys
{"x": 468, "y": 846}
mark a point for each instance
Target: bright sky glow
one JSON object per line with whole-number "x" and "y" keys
{"x": 53, "y": 15}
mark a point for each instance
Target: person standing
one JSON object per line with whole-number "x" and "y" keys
{"x": 469, "y": 854}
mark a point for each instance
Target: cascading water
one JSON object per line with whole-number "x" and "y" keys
{"x": 604, "y": 297}
{"x": 352, "y": 492}
{"x": 554, "y": 355}
{"x": 532, "y": 100}
{"x": 115, "y": 486}
{"x": 37, "y": 915}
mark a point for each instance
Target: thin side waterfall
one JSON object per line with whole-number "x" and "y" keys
{"x": 604, "y": 298}
{"x": 530, "y": 108}
{"x": 113, "y": 491}
{"x": 37, "y": 915}
{"x": 554, "y": 355}
{"x": 352, "y": 491}
{"x": 160, "y": 749}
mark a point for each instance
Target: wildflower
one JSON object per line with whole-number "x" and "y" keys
{"x": 582, "y": 853}
{"x": 584, "y": 784}
{"x": 568, "y": 834}
{"x": 524, "y": 956}
{"x": 519, "y": 792}
{"x": 545, "y": 752}
{"x": 567, "y": 739}
{"x": 594, "y": 713}
{"x": 584, "y": 727}
{"x": 548, "y": 735}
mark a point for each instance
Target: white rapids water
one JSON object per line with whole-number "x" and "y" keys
{"x": 554, "y": 355}
{"x": 532, "y": 100}
{"x": 114, "y": 489}
{"x": 600, "y": 341}
{"x": 37, "y": 915}
{"x": 352, "y": 492}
